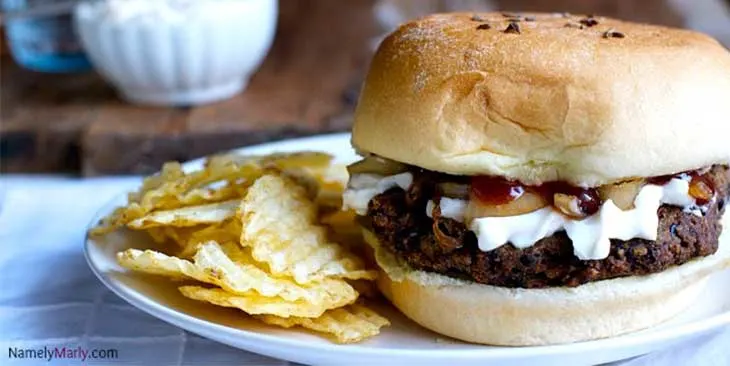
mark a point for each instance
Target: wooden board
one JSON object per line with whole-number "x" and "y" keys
{"x": 308, "y": 84}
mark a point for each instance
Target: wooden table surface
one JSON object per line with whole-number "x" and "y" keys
{"x": 76, "y": 123}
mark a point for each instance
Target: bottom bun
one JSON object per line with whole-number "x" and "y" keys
{"x": 528, "y": 317}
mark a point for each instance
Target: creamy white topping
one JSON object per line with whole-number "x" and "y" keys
{"x": 676, "y": 193}
{"x": 590, "y": 236}
{"x": 363, "y": 187}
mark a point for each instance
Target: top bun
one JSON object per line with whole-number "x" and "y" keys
{"x": 585, "y": 103}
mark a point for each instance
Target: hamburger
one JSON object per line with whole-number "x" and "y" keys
{"x": 533, "y": 179}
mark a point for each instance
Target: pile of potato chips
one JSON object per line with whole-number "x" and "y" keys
{"x": 248, "y": 229}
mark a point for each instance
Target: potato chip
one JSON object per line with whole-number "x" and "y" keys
{"x": 365, "y": 288}
{"x": 214, "y": 265}
{"x": 278, "y": 224}
{"x": 253, "y": 304}
{"x": 336, "y": 174}
{"x": 313, "y": 160}
{"x": 342, "y": 222}
{"x": 176, "y": 194}
{"x": 248, "y": 227}
{"x": 172, "y": 188}
{"x": 119, "y": 217}
{"x": 329, "y": 196}
{"x": 345, "y": 230}
{"x": 152, "y": 262}
{"x": 215, "y": 192}
{"x": 158, "y": 234}
{"x": 226, "y": 263}
{"x": 302, "y": 178}
{"x": 350, "y": 324}
{"x": 227, "y": 231}
{"x": 175, "y": 235}
{"x": 307, "y": 168}
{"x": 332, "y": 182}
{"x": 170, "y": 172}
{"x": 212, "y": 213}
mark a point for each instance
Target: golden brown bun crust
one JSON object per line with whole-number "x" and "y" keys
{"x": 550, "y": 103}
{"x": 527, "y": 317}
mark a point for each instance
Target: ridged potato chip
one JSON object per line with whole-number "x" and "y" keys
{"x": 227, "y": 231}
{"x": 314, "y": 160}
{"x": 170, "y": 172}
{"x": 278, "y": 225}
{"x": 172, "y": 188}
{"x": 317, "y": 164}
{"x": 149, "y": 261}
{"x": 256, "y": 304}
{"x": 331, "y": 186}
{"x": 306, "y": 168}
{"x": 329, "y": 197}
{"x": 342, "y": 222}
{"x": 212, "y": 213}
{"x": 247, "y": 226}
{"x": 119, "y": 217}
{"x": 226, "y": 263}
{"x": 169, "y": 234}
{"x": 350, "y": 324}
{"x": 178, "y": 194}
{"x": 228, "y": 269}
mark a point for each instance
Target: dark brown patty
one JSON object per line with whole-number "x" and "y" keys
{"x": 398, "y": 218}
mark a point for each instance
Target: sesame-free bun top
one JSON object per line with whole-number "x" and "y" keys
{"x": 565, "y": 97}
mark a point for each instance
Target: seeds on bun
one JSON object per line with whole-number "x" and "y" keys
{"x": 550, "y": 103}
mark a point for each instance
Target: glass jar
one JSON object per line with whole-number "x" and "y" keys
{"x": 41, "y": 36}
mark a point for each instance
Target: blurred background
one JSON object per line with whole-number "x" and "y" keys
{"x": 120, "y": 86}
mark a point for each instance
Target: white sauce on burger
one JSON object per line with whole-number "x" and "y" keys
{"x": 590, "y": 236}
{"x": 363, "y": 187}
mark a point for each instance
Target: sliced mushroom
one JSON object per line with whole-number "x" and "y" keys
{"x": 528, "y": 202}
{"x": 569, "y": 205}
{"x": 622, "y": 194}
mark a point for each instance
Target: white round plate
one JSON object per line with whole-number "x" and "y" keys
{"x": 404, "y": 342}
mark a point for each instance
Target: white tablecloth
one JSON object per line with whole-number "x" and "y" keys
{"x": 49, "y": 298}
